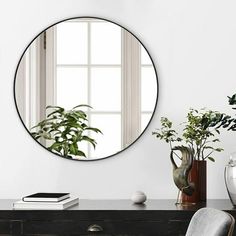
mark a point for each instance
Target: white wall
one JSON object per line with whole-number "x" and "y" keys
{"x": 193, "y": 44}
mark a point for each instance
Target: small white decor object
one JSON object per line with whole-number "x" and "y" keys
{"x": 138, "y": 197}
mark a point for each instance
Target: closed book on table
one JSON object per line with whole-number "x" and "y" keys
{"x": 22, "y": 205}
{"x": 46, "y": 197}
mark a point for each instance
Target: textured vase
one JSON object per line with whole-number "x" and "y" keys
{"x": 230, "y": 178}
{"x": 181, "y": 172}
{"x": 198, "y": 176}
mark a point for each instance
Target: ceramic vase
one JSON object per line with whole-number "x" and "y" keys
{"x": 198, "y": 176}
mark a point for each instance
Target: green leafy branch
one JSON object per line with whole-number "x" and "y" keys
{"x": 226, "y": 121}
{"x": 65, "y": 130}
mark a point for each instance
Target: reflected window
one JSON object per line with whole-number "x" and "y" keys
{"x": 90, "y": 62}
{"x": 95, "y": 62}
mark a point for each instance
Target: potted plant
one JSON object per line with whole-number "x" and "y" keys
{"x": 64, "y": 130}
{"x": 200, "y": 137}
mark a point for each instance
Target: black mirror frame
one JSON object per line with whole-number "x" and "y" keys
{"x": 14, "y": 89}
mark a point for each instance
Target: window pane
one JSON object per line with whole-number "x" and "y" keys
{"x": 105, "y": 43}
{"x": 72, "y": 43}
{"x": 145, "y": 59}
{"x": 71, "y": 87}
{"x": 106, "y": 89}
{"x": 109, "y": 142}
{"x": 148, "y": 88}
{"x": 145, "y": 118}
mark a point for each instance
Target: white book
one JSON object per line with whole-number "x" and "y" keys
{"x": 22, "y": 205}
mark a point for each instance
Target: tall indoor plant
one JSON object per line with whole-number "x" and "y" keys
{"x": 200, "y": 137}
{"x": 65, "y": 130}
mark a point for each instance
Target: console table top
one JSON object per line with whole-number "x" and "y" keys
{"x": 127, "y": 205}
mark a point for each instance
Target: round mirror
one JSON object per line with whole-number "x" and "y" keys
{"x": 85, "y": 88}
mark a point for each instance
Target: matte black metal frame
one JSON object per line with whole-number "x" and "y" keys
{"x": 72, "y": 18}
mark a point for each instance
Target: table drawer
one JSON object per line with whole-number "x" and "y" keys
{"x": 112, "y": 228}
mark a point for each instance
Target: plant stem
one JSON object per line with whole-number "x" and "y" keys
{"x": 207, "y": 155}
{"x": 201, "y": 148}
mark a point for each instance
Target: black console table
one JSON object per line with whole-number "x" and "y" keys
{"x": 107, "y": 217}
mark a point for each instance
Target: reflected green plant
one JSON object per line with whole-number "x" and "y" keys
{"x": 65, "y": 130}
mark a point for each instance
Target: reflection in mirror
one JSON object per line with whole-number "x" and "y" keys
{"x": 93, "y": 63}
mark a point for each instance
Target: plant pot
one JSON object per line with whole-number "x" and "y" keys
{"x": 198, "y": 176}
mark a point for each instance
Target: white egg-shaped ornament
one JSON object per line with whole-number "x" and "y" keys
{"x": 138, "y": 197}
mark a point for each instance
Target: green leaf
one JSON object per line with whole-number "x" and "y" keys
{"x": 94, "y": 129}
{"x": 90, "y": 140}
{"x": 80, "y": 153}
{"x": 54, "y": 112}
{"x": 208, "y": 147}
{"x": 55, "y": 146}
{"x": 48, "y": 107}
{"x": 82, "y": 105}
{"x": 72, "y": 149}
{"x": 74, "y": 125}
{"x": 215, "y": 140}
{"x": 211, "y": 159}
{"x": 219, "y": 149}
{"x": 232, "y": 100}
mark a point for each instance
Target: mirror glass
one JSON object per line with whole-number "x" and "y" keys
{"x": 85, "y": 88}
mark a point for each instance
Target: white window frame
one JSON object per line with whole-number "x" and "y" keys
{"x": 130, "y": 80}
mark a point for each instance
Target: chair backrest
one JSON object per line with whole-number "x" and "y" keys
{"x": 231, "y": 229}
{"x": 211, "y": 222}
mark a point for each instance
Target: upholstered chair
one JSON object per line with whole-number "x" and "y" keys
{"x": 211, "y": 222}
